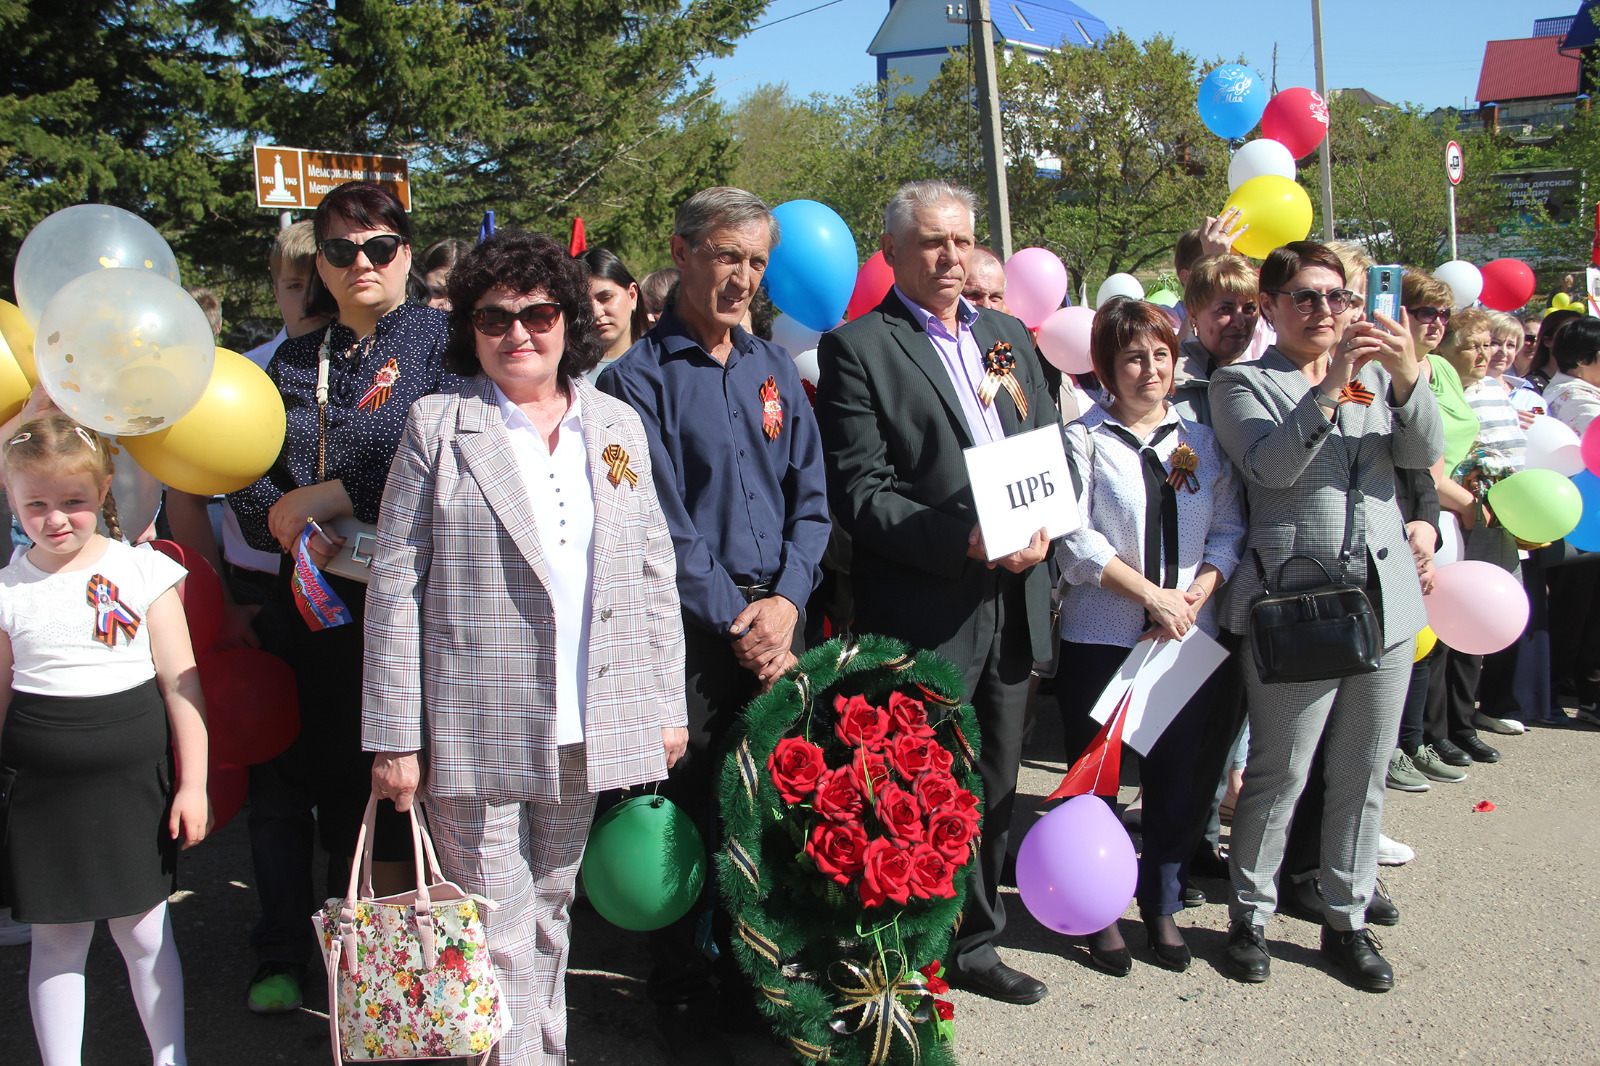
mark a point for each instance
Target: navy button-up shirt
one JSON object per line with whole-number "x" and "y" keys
{"x": 743, "y": 509}
{"x": 371, "y": 386}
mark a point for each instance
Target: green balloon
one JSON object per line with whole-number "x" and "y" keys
{"x": 1537, "y": 506}
{"x": 1165, "y": 298}
{"x": 644, "y": 864}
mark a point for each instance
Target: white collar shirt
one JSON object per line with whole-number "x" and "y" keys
{"x": 963, "y": 361}
{"x": 562, "y": 499}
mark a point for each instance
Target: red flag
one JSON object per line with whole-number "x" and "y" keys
{"x": 1099, "y": 769}
{"x": 579, "y": 241}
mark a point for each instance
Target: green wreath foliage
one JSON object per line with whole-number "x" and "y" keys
{"x": 794, "y": 927}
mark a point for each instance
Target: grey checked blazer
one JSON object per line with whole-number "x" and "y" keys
{"x": 1296, "y": 468}
{"x": 460, "y": 637}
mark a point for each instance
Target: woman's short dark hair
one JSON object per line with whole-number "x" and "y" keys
{"x": 444, "y": 254}
{"x": 522, "y": 263}
{"x": 1284, "y": 263}
{"x": 1549, "y": 329}
{"x": 1577, "y": 343}
{"x": 604, "y": 263}
{"x": 1118, "y": 324}
{"x": 365, "y": 206}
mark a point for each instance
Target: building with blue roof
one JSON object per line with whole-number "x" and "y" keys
{"x": 917, "y": 35}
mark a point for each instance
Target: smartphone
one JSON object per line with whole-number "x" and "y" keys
{"x": 1383, "y": 291}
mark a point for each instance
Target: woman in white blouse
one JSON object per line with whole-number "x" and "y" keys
{"x": 1162, "y": 531}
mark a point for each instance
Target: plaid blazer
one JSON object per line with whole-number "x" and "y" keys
{"x": 1297, "y": 467}
{"x": 460, "y": 629}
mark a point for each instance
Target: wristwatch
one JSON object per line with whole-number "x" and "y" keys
{"x": 1329, "y": 402}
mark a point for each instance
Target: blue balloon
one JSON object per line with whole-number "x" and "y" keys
{"x": 1231, "y": 101}
{"x": 812, "y": 271}
{"x": 1587, "y": 536}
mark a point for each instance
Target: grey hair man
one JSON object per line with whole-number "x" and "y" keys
{"x": 986, "y": 281}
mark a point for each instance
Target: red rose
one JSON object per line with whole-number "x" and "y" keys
{"x": 967, "y": 804}
{"x": 886, "y": 875}
{"x": 868, "y": 771}
{"x": 838, "y": 848}
{"x": 936, "y": 984}
{"x": 900, "y": 814}
{"x": 942, "y": 759}
{"x": 930, "y": 878}
{"x": 946, "y": 1009}
{"x": 937, "y": 790}
{"x": 950, "y": 832}
{"x": 795, "y": 764}
{"x": 837, "y": 798}
{"x": 860, "y": 723}
{"x": 913, "y": 755}
{"x": 906, "y": 715}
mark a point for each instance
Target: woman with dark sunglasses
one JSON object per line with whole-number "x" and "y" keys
{"x": 526, "y": 640}
{"x": 346, "y": 389}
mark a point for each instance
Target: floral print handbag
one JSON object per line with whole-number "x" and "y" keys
{"x": 408, "y": 975}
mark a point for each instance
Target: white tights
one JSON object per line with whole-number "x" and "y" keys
{"x": 56, "y": 986}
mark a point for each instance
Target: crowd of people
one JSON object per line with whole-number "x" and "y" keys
{"x": 606, "y": 513}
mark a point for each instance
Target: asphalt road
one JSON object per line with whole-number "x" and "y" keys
{"x": 1496, "y": 956}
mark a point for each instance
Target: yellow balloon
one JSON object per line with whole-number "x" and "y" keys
{"x": 1560, "y": 301}
{"x": 1276, "y": 209}
{"x": 226, "y": 441}
{"x": 1425, "y": 642}
{"x": 14, "y": 387}
{"x": 19, "y": 338}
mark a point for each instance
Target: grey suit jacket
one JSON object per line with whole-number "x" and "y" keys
{"x": 460, "y": 631}
{"x": 892, "y": 435}
{"x": 1297, "y": 468}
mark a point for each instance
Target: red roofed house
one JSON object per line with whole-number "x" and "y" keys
{"x": 1531, "y": 82}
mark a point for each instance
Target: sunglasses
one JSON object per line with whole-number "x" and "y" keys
{"x": 1429, "y": 315}
{"x": 496, "y": 321}
{"x": 380, "y": 251}
{"x": 1306, "y": 300}
{"x": 1529, "y": 338}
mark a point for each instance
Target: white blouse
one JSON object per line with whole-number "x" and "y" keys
{"x": 1211, "y": 526}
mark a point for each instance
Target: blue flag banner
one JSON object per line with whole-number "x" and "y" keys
{"x": 486, "y": 230}
{"x": 319, "y": 605}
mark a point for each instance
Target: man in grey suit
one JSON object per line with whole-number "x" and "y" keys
{"x": 897, "y": 402}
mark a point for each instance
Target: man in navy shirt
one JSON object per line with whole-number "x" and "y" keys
{"x": 737, "y": 462}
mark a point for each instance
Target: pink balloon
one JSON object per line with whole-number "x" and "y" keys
{"x": 1476, "y": 607}
{"x": 1590, "y": 447}
{"x": 1076, "y": 868}
{"x": 1036, "y": 283}
{"x": 1064, "y": 339}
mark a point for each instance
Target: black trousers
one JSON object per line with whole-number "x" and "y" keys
{"x": 1452, "y": 692}
{"x": 1575, "y": 628}
{"x": 1411, "y": 717}
{"x": 1224, "y": 722}
{"x": 1516, "y": 680}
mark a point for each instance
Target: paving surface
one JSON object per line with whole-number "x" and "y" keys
{"x": 1497, "y": 957}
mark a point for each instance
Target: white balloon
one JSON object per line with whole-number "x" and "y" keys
{"x": 77, "y": 240}
{"x": 806, "y": 363}
{"x": 1449, "y": 540}
{"x": 136, "y": 494}
{"x": 1464, "y": 279}
{"x": 1118, "y": 285}
{"x": 1552, "y": 445}
{"x": 791, "y": 335}
{"x": 1260, "y": 157}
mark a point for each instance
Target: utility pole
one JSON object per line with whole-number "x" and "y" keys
{"x": 981, "y": 38}
{"x": 1323, "y": 158}
{"x": 285, "y": 219}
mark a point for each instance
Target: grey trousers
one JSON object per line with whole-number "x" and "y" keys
{"x": 1359, "y": 716}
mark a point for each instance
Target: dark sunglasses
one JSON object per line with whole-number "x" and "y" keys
{"x": 1529, "y": 338}
{"x": 380, "y": 251}
{"x": 1306, "y": 300}
{"x": 496, "y": 321}
{"x": 1429, "y": 315}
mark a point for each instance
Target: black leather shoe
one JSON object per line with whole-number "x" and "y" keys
{"x": 1193, "y": 897}
{"x": 1451, "y": 754}
{"x": 1001, "y": 982}
{"x": 1301, "y": 900}
{"x": 1246, "y": 954}
{"x": 688, "y": 1036}
{"x": 1174, "y": 957}
{"x": 1357, "y": 954}
{"x": 1209, "y": 864}
{"x": 1118, "y": 962}
{"x": 1476, "y": 749}
{"x": 1380, "y": 908}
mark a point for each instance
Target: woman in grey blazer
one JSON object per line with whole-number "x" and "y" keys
{"x": 524, "y": 638}
{"x": 1317, "y": 426}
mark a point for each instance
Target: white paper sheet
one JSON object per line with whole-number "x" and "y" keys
{"x": 1164, "y": 676}
{"x": 1021, "y": 485}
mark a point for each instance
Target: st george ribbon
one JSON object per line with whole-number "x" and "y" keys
{"x": 319, "y": 605}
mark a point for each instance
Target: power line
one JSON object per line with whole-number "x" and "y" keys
{"x": 796, "y": 15}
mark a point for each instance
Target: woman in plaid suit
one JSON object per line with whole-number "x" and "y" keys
{"x": 524, "y": 641}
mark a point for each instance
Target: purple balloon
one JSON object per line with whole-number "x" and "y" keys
{"x": 1076, "y": 868}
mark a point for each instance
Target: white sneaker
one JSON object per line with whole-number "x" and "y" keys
{"x": 12, "y": 932}
{"x": 1507, "y": 726}
{"x": 1392, "y": 852}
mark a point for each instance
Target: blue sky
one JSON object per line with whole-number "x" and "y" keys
{"x": 1424, "y": 51}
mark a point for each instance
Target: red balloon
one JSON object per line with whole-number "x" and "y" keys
{"x": 872, "y": 285}
{"x": 1507, "y": 284}
{"x": 200, "y": 593}
{"x": 252, "y": 705}
{"x": 1298, "y": 118}
{"x": 226, "y": 787}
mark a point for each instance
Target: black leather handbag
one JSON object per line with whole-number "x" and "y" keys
{"x": 1315, "y": 634}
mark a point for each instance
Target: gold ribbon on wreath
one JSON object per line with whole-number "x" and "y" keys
{"x": 874, "y": 999}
